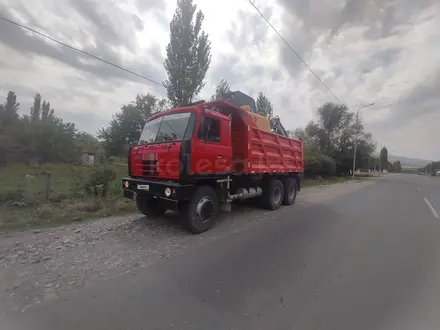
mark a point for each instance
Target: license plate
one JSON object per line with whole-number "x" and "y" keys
{"x": 143, "y": 187}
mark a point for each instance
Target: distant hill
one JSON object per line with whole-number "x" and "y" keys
{"x": 408, "y": 161}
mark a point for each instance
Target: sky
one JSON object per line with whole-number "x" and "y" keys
{"x": 381, "y": 51}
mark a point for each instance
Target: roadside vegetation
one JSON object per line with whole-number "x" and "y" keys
{"x": 55, "y": 194}
{"x": 432, "y": 169}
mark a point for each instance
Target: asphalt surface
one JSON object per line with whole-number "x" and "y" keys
{"x": 365, "y": 260}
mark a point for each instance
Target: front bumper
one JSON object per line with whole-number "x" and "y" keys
{"x": 136, "y": 187}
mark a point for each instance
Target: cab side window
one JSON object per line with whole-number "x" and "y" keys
{"x": 209, "y": 130}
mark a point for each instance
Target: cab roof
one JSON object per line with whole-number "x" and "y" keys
{"x": 206, "y": 106}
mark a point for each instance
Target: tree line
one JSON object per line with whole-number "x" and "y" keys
{"x": 329, "y": 142}
{"x": 430, "y": 169}
{"x": 41, "y": 136}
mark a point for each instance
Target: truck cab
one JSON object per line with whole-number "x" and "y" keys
{"x": 183, "y": 144}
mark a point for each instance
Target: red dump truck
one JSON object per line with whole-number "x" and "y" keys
{"x": 199, "y": 158}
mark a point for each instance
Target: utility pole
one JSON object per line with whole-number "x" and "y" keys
{"x": 355, "y": 144}
{"x": 356, "y": 135}
{"x": 380, "y": 158}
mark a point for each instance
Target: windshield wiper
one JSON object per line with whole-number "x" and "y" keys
{"x": 173, "y": 131}
{"x": 163, "y": 137}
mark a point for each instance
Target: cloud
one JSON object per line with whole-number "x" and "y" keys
{"x": 73, "y": 82}
{"x": 138, "y": 22}
{"x": 380, "y": 51}
{"x": 371, "y": 51}
{"x": 153, "y": 5}
{"x": 101, "y": 38}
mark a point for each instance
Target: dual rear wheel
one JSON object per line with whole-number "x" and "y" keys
{"x": 279, "y": 192}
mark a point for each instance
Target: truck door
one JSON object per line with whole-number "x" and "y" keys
{"x": 212, "y": 152}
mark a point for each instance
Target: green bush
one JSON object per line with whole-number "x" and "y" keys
{"x": 12, "y": 196}
{"x": 97, "y": 182}
{"x": 318, "y": 164}
{"x": 328, "y": 166}
{"x": 116, "y": 160}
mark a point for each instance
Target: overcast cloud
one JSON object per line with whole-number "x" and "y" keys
{"x": 382, "y": 51}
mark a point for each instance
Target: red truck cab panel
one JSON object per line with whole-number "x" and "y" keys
{"x": 203, "y": 147}
{"x": 211, "y": 151}
{"x": 158, "y": 160}
{"x": 159, "y": 152}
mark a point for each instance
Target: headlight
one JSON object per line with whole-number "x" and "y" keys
{"x": 167, "y": 192}
{"x": 126, "y": 184}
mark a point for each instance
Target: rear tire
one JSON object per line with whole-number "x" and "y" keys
{"x": 150, "y": 207}
{"x": 200, "y": 214}
{"x": 273, "y": 194}
{"x": 290, "y": 191}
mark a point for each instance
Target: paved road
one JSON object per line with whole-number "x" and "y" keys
{"x": 429, "y": 189}
{"x": 366, "y": 260}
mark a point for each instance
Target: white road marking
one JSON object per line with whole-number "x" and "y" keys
{"x": 434, "y": 212}
{"x": 418, "y": 189}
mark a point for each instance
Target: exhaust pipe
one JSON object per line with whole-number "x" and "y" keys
{"x": 243, "y": 193}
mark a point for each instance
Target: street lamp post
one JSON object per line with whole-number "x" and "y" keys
{"x": 355, "y": 138}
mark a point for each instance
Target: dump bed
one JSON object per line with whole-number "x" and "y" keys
{"x": 259, "y": 151}
{"x": 255, "y": 150}
{"x": 269, "y": 152}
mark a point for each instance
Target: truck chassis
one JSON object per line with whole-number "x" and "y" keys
{"x": 199, "y": 203}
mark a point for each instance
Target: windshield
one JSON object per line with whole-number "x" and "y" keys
{"x": 166, "y": 128}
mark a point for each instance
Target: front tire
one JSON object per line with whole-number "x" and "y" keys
{"x": 200, "y": 214}
{"x": 150, "y": 207}
{"x": 273, "y": 194}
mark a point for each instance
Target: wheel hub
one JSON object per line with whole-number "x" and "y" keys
{"x": 277, "y": 195}
{"x": 205, "y": 209}
{"x": 291, "y": 192}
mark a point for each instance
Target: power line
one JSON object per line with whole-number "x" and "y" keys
{"x": 81, "y": 51}
{"x": 85, "y": 53}
{"x": 293, "y": 50}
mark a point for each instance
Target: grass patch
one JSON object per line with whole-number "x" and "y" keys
{"x": 23, "y": 203}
